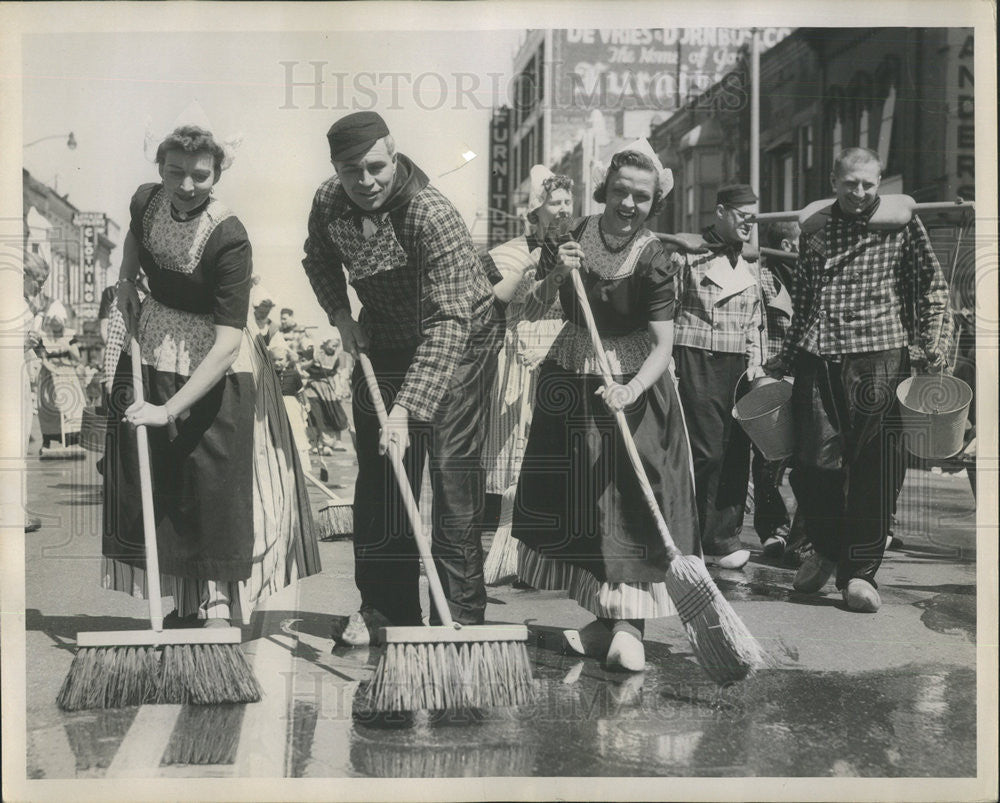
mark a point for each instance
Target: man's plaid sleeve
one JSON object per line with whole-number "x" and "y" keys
{"x": 448, "y": 261}
{"x": 323, "y": 264}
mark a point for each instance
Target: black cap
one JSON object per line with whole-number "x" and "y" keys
{"x": 351, "y": 136}
{"x": 736, "y": 195}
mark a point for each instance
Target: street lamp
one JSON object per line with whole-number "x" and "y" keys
{"x": 70, "y": 140}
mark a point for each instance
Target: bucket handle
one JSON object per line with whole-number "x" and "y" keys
{"x": 736, "y": 387}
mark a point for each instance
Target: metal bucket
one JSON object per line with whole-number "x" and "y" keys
{"x": 934, "y": 410}
{"x": 765, "y": 413}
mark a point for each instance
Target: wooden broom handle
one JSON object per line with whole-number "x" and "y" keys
{"x": 146, "y": 487}
{"x": 633, "y": 453}
{"x": 412, "y": 511}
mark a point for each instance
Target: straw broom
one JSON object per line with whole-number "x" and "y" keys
{"x": 500, "y": 565}
{"x": 447, "y": 666}
{"x": 721, "y": 643}
{"x": 335, "y": 520}
{"x": 134, "y": 667}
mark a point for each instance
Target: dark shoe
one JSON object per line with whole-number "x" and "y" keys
{"x": 324, "y": 475}
{"x": 32, "y": 523}
{"x": 172, "y": 621}
{"x": 362, "y": 629}
{"x": 774, "y": 547}
{"x": 814, "y": 573}
{"x": 861, "y": 596}
{"x": 893, "y": 541}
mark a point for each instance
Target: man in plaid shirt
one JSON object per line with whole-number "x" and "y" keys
{"x": 717, "y": 338}
{"x": 429, "y": 326}
{"x": 864, "y": 293}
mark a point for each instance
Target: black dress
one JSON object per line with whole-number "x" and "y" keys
{"x": 580, "y": 514}
{"x": 228, "y": 491}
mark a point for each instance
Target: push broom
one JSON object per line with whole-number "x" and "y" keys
{"x": 336, "y": 519}
{"x": 134, "y": 667}
{"x": 721, "y": 643}
{"x": 447, "y": 666}
{"x": 500, "y": 565}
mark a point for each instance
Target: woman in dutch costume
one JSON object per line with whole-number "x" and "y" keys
{"x": 549, "y": 213}
{"x": 233, "y": 523}
{"x": 580, "y": 514}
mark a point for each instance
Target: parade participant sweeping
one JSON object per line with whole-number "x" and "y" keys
{"x": 864, "y": 291}
{"x": 430, "y": 327}
{"x": 580, "y": 512}
{"x": 550, "y": 206}
{"x": 717, "y": 339}
{"x": 232, "y": 520}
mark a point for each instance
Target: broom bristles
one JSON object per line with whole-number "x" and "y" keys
{"x": 452, "y": 676}
{"x": 726, "y": 650}
{"x": 500, "y": 565}
{"x": 115, "y": 677}
{"x": 335, "y": 521}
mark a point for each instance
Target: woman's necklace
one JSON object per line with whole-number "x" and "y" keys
{"x": 191, "y": 214}
{"x": 617, "y": 249}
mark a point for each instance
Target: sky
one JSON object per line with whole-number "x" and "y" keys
{"x": 435, "y": 92}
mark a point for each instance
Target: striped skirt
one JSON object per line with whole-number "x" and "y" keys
{"x": 580, "y": 514}
{"x": 264, "y": 527}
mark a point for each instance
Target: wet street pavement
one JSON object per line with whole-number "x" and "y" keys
{"x": 851, "y": 695}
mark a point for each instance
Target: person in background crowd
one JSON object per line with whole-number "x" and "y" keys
{"x": 862, "y": 295}
{"x": 233, "y": 521}
{"x": 965, "y": 369}
{"x": 718, "y": 339}
{"x": 262, "y": 303}
{"x": 327, "y": 387}
{"x": 108, "y": 297}
{"x": 431, "y": 328}
{"x": 294, "y": 397}
{"x": 36, "y": 273}
{"x": 550, "y": 205}
{"x": 777, "y": 270}
{"x": 293, "y": 333}
{"x": 580, "y": 514}
{"x": 61, "y": 395}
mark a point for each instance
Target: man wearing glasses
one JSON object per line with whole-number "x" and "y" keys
{"x": 718, "y": 333}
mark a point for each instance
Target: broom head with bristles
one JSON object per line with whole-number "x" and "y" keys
{"x": 500, "y": 565}
{"x": 62, "y": 453}
{"x": 448, "y": 669}
{"x": 721, "y": 643}
{"x": 335, "y": 521}
{"x": 203, "y": 667}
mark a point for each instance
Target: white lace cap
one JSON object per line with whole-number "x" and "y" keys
{"x": 536, "y": 195}
{"x": 193, "y": 114}
{"x": 640, "y": 145}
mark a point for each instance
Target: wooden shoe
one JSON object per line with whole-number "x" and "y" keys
{"x": 626, "y": 652}
{"x": 734, "y": 560}
{"x": 861, "y": 596}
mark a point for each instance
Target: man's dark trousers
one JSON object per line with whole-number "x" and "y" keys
{"x": 848, "y": 449}
{"x": 386, "y": 560}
